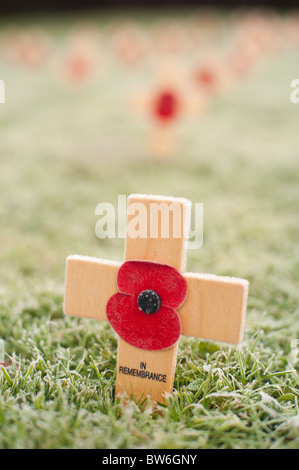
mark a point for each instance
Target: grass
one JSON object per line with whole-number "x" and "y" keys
{"x": 62, "y": 153}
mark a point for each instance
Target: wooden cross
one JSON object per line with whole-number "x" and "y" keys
{"x": 3, "y": 363}
{"x": 214, "y": 308}
{"x": 80, "y": 63}
{"x": 171, "y": 98}
{"x": 29, "y": 48}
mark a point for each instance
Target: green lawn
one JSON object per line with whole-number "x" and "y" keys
{"x": 64, "y": 151}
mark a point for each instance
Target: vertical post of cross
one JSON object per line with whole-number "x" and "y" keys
{"x": 214, "y": 309}
{"x": 165, "y": 223}
{"x": 3, "y": 363}
{"x": 2, "y": 92}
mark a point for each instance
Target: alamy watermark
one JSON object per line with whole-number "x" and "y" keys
{"x": 144, "y": 220}
{"x": 2, "y": 352}
{"x": 295, "y": 93}
{"x": 3, "y": 362}
{"x": 2, "y": 92}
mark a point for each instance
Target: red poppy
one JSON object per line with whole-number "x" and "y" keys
{"x": 206, "y": 78}
{"x": 79, "y": 66}
{"x": 166, "y": 106}
{"x": 144, "y": 313}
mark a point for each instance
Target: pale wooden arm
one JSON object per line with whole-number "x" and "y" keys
{"x": 215, "y": 307}
{"x": 89, "y": 284}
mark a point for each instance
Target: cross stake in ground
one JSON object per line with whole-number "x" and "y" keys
{"x": 214, "y": 308}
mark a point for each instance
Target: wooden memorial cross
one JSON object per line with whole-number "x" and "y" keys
{"x": 3, "y": 363}
{"x": 168, "y": 102}
{"x": 214, "y": 306}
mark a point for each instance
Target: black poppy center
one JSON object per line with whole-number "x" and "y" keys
{"x": 149, "y": 301}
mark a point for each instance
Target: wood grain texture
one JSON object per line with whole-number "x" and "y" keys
{"x": 169, "y": 251}
{"x": 89, "y": 284}
{"x": 215, "y": 307}
{"x": 157, "y": 212}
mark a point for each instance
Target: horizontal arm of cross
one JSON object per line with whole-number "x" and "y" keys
{"x": 89, "y": 284}
{"x": 214, "y": 308}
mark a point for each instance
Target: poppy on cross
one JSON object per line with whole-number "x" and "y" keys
{"x": 150, "y": 302}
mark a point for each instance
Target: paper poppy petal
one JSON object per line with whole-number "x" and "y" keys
{"x": 151, "y": 332}
{"x": 135, "y": 276}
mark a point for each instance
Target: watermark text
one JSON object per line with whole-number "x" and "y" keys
{"x": 295, "y": 93}
{"x": 2, "y": 92}
{"x": 163, "y": 219}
